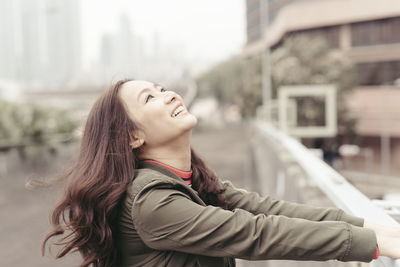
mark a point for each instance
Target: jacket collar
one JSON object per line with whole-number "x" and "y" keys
{"x": 174, "y": 176}
{"x": 159, "y": 168}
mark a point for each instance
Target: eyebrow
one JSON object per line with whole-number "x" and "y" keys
{"x": 146, "y": 90}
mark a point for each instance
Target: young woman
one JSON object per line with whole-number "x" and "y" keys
{"x": 138, "y": 195}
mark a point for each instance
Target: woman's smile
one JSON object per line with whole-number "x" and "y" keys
{"x": 183, "y": 112}
{"x": 179, "y": 112}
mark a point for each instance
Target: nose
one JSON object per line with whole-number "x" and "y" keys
{"x": 170, "y": 96}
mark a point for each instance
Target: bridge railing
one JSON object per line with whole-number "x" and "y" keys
{"x": 292, "y": 169}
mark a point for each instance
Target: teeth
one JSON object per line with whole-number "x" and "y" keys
{"x": 179, "y": 109}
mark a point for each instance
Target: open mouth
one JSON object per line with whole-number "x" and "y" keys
{"x": 177, "y": 111}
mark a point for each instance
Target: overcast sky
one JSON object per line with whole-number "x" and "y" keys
{"x": 208, "y": 29}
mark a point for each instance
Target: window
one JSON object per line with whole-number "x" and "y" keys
{"x": 378, "y": 73}
{"x": 384, "y": 31}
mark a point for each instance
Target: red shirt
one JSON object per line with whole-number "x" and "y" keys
{"x": 185, "y": 175}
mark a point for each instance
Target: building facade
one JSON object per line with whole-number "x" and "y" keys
{"x": 368, "y": 32}
{"x": 370, "y": 35}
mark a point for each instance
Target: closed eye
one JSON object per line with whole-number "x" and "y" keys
{"x": 148, "y": 97}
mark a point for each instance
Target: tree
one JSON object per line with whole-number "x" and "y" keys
{"x": 302, "y": 60}
{"x": 31, "y": 128}
{"x": 234, "y": 81}
{"x": 299, "y": 60}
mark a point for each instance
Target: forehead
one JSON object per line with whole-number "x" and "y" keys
{"x": 135, "y": 87}
{"x": 131, "y": 89}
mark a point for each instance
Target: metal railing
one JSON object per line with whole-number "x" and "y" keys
{"x": 298, "y": 166}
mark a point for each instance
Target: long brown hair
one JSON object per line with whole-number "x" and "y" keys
{"x": 86, "y": 216}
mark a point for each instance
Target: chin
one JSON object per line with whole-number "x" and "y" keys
{"x": 191, "y": 121}
{"x": 194, "y": 120}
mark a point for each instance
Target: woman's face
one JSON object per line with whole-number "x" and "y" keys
{"x": 160, "y": 113}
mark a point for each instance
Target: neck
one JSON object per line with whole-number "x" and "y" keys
{"x": 175, "y": 154}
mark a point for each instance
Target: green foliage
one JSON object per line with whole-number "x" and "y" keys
{"x": 234, "y": 81}
{"x": 23, "y": 125}
{"x": 300, "y": 60}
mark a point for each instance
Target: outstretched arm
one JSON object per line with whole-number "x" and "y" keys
{"x": 254, "y": 203}
{"x": 167, "y": 219}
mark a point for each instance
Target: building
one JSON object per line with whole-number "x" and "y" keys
{"x": 368, "y": 31}
{"x": 253, "y": 15}
{"x": 125, "y": 54}
{"x": 40, "y": 42}
{"x": 11, "y": 40}
{"x": 63, "y": 41}
{"x": 121, "y": 53}
{"x": 369, "y": 35}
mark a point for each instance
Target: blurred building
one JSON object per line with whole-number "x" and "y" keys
{"x": 40, "y": 41}
{"x": 368, "y": 31}
{"x": 125, "y": 54}
{"x": 121, "y": 53}
{"x": 253, "y": 14}
{"x": 63, "y": 39}
{"x": 11, "y": 40}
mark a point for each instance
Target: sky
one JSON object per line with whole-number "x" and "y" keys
{"x": 208, "y": 29}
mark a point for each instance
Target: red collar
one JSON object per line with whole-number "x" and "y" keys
{"x": 185, "y": 175}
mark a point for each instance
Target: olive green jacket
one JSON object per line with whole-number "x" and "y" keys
{"x": 163, "y": 222}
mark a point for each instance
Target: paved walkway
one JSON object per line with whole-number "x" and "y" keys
{"x": 226, "y": 151}
{"x": 25, "y": 215}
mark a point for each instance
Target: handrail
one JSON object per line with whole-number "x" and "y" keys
{"x": 343, "y": 194}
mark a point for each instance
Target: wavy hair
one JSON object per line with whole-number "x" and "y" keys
{"x": 85, "y": 219}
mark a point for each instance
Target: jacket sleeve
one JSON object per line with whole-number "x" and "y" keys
{"x": 253, "y": 203}
{"x": 167, "y": 219}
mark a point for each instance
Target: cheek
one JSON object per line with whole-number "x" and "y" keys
{"x": 157, "y": 125}
{"x": 159, "y": 132}
{"x": 151, "y": 115}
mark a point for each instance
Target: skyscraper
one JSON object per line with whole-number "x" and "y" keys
{"x": 64, "y": 47}
{"x": 10, "y": 40}
{"x": 40, "y": 41}
{"x": 121, "y": 53}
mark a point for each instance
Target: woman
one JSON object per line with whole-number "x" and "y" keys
{"x": 140, "y": 196}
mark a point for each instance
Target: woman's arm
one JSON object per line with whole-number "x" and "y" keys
{"x": 167, "y": 219}
{"x": 254, "y": 203}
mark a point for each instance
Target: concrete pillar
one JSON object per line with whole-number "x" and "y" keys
{"x": 345, "y": 37}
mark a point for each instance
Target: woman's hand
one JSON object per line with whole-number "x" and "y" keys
{"x": 388, "y": 239}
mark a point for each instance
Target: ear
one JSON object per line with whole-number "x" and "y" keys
{"x": 136, "y": 142}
